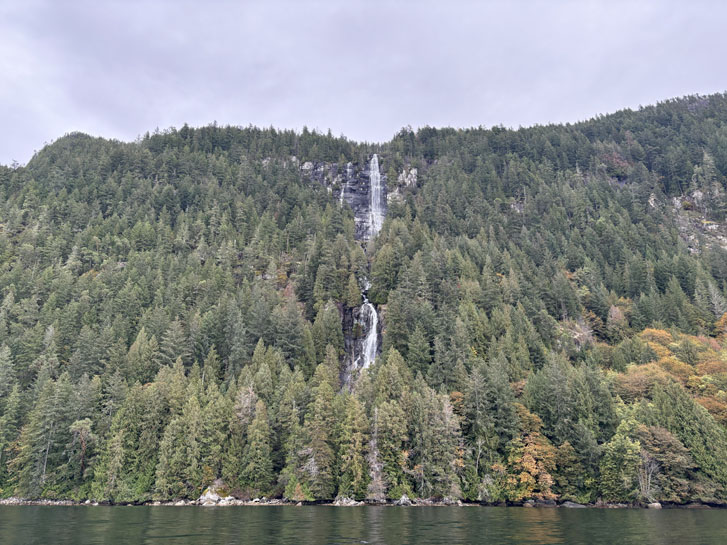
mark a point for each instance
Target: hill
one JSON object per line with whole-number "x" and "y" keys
{"x": 546, "y": 307}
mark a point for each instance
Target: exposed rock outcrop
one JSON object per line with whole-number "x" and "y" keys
{"x": 404, "y": 500}
{"x": 345, "y": 501}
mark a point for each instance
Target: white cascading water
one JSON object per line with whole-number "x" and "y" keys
{"x": 349, "y": 173}
{"x": 368, "y": 317}
{"x": 366, "y": 349}
{"x": 369, "y": 321}
{"x": 376, "y": 194}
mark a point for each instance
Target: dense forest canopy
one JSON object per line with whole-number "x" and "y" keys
{"x": 553, "y": 303}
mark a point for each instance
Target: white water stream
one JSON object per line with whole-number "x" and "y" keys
{"x": 376, "y": 194}
{"x": 368, "y": 317}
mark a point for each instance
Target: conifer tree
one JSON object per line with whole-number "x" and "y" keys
{"x": 319, "y": 434}
{"x": 353, "y": 292}
{"x": 354, "y": 470}
{"x": 619, "y": 466}
{"x": 257, "y": 462}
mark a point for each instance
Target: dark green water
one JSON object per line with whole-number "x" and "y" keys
{"x": 82, "y": 525}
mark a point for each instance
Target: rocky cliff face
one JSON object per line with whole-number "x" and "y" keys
{"x": 352, "y": 184}
{"x": 363, "y": 188}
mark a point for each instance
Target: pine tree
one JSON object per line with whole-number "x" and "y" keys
{"x": 214, "y": 441}
{"x": 212, "y": 367}
{"x": 673, "y": 409}
{"x": 143, "y": 358}
{"x": 619, "y": 466}
{"x": 436, "y": 454}
{"x": 7, "y": 373}
{"x": 80, "y": 449}
{"x": 179, "y": 470}
{"x": 9, "y": 420}
{"x": 491, "y": 421}
{"x": 242, "y": 416}
{"x": 392, "y": 434}
{"x": 41, "y": 441}
{"x": 319, "y": 433}
{"x": 174, "y": 344}
{"x": 257, "y": 462}
{"x": 419, "y": 352}
{"x": 327, "y": 330}
{"x": 293, "y": 477}
{"x": 169, "y": 481}
{"x": 354, "y": 471}
{"x": 353, "y": 292}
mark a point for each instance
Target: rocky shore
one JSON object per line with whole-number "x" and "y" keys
{"x": 213, "y": 499}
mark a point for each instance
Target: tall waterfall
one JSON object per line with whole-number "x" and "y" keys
{"x": 376, "y": 196}
{"x": 368, "y": 317}
{"x": 369, "y": 321}
{"x": 349, "y": 173}
{"x": 363, "y": 348}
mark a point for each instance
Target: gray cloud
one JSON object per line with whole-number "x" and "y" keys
{"x": 361, "y": 68}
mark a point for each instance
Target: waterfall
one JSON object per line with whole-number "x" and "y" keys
{"x": 368, "y": 319}
{"x": 349, "y": 173}
{"x": 376, "y": 196}
{"x": 365, "y": 346}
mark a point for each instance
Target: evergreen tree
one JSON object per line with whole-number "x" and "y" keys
{"x": 354, "y": 471}
{"x": 257, "y": 462}
{"x": 619, "y": 466}
{"x": 42, "y": 438}
{"x": 319, "y": 434}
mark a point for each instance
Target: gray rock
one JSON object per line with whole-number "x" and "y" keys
{"x": 354, "y": 182}
{"x": 344, "y": 501}
{"x": 408, "y": 177}
{"x": 209, "y": 497}
{"x": 573, "y": 505}
{"x": 404, "y": 500}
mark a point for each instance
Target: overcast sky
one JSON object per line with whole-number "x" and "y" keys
{"x": 362, "y": 68}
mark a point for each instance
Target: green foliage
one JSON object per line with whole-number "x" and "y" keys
{"x": 619, "y": 466}
{"x": 436, "y": 447}
{"x": 705, "y": 440}
{"x": 177, "y": 310}
{"x": 257, "y": 473}
{"x": 353, "y": 451}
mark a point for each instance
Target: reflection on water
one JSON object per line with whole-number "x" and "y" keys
{"x": 341, "y": 525}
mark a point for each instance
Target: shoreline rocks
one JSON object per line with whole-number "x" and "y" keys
{"x": 211, "y": 498}
{"x": 22, "y": 501}
{"x": 345, "y": 501}
{"x": 404, "y": 500}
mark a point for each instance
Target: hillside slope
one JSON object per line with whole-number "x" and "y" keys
{"x": 552, "y": 302}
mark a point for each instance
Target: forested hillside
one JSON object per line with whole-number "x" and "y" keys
{"x": 178, "y": 310}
